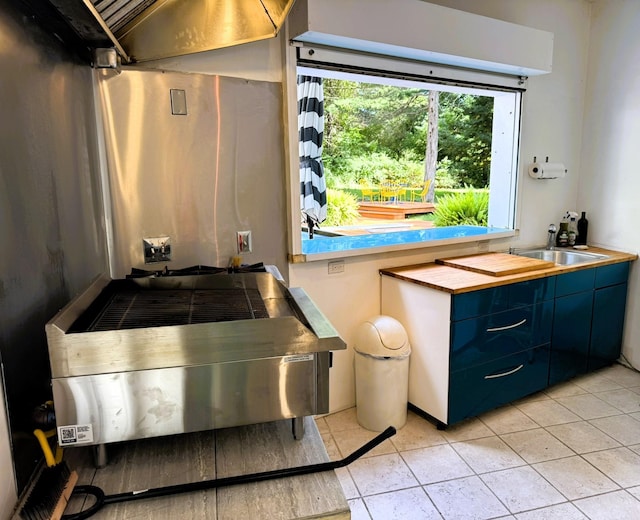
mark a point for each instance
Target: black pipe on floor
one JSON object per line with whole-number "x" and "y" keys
{"x": 102, "y": 499}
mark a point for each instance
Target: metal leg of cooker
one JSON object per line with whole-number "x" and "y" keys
{"x": 297, "y": 427}
{"x": 100, "y": 455}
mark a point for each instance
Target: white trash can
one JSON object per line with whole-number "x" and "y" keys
{"x": 382, "y": 353}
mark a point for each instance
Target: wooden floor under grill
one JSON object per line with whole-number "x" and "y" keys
{"x": 199, "y": 456}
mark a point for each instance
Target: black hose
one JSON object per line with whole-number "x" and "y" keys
{"x": 102, "y": 499}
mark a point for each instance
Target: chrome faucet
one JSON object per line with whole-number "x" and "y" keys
{"x": 551, "y": 239}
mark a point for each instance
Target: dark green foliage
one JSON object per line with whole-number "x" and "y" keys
{"x": 465, "y": 137}
{"x": 379, "y": 132}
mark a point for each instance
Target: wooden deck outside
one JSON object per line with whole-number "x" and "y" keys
{"x": 367, "y": 226}
{"x": 394, "y": 210}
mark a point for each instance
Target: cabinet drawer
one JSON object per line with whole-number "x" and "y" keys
{"x": 483, "y": 339}
{"x": 493, "y": 384}
{"x": 612, "y": 274}
{"x": 497, "y": 299}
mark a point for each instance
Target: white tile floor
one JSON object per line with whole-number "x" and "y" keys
{"x": 571, "y": 452}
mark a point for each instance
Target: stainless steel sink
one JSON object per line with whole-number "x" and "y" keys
{"x": 561, "y": 256}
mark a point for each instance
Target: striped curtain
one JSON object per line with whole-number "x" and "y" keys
{"x": 313, "y": 188}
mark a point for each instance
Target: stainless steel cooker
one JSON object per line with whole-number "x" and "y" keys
{"x": 177, "y": 352}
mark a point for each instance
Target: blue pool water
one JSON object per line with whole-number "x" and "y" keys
{"x": 325, "y": 244}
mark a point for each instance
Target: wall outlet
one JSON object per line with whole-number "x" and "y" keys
{"x": 243, "y": 239}
{"x": 335, "y": 267}
{"x": 157, "y": 249}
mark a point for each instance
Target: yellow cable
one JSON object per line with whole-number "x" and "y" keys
{"x": 44, "y": 444}
{"x": 59, "y": 451}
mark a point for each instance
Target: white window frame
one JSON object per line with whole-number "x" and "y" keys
{"x": 505, "y": 142}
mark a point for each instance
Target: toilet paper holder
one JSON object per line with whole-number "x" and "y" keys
{"x": 546, "y": 170}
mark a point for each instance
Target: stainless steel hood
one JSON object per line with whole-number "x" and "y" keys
{"x": 143, "y": 30}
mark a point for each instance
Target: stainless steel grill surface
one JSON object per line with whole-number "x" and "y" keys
{"x": 166, "y": 352}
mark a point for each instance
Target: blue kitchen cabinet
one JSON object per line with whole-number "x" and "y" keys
{"x": 490, "y": 385}
{"x": 571, "y": 325}
{"x": 473, "y": 351}
{"x": 477, "y": 350}
{"x": 609, "y": 302}
{"x": 588, "y": 320}
{"x": 479, "y": 340}
{"x": 501, "y": 298}
{"x": 502, "y": 354}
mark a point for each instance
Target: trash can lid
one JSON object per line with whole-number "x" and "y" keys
{"x": 382, "y": 336}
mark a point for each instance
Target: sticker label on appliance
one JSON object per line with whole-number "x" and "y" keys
{"x": 75, "y": 434}
{"x": 296, "y": 358}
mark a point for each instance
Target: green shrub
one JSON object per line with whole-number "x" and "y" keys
{"x": 342, "y": 208}
{"x": 374, "y": 168}
{"x": 444, "y": 176}
{"x": 469, "y": 208}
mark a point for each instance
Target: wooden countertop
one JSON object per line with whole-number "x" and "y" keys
{"x": 456, "y": 280}
{"x": 194, "y": 457}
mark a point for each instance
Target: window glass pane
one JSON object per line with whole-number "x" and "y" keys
{"x": 391, "y": 182}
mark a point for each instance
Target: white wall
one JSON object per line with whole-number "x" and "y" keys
{"x": 609, "y": 178}
{"x": 551, "y": 126}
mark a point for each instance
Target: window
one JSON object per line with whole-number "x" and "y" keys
{"x": 375, "y": 137}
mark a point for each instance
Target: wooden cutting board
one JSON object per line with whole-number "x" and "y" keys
{"x": 496, "y": 264}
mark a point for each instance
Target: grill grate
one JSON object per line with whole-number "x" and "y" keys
{"x": 160, "y": 308}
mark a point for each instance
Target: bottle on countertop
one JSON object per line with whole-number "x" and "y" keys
{"x": 562, "y": 238}
{"x": 583, "y": 227}
{"x": 573, "y": 230}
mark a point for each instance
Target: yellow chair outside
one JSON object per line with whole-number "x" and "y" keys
{"x": 421, "y": 196}
{"x": 368, "y": 191}
{"x": 389, "y": 191}
{"x": 402, "y": 192}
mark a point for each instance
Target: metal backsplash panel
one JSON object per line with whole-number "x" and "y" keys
{"x": 51, "y": 227}
{"x": 196, "y": 176}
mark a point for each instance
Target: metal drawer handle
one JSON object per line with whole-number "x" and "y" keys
{"x": 494, "y": 376}
{"x": 496, "y": 329}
